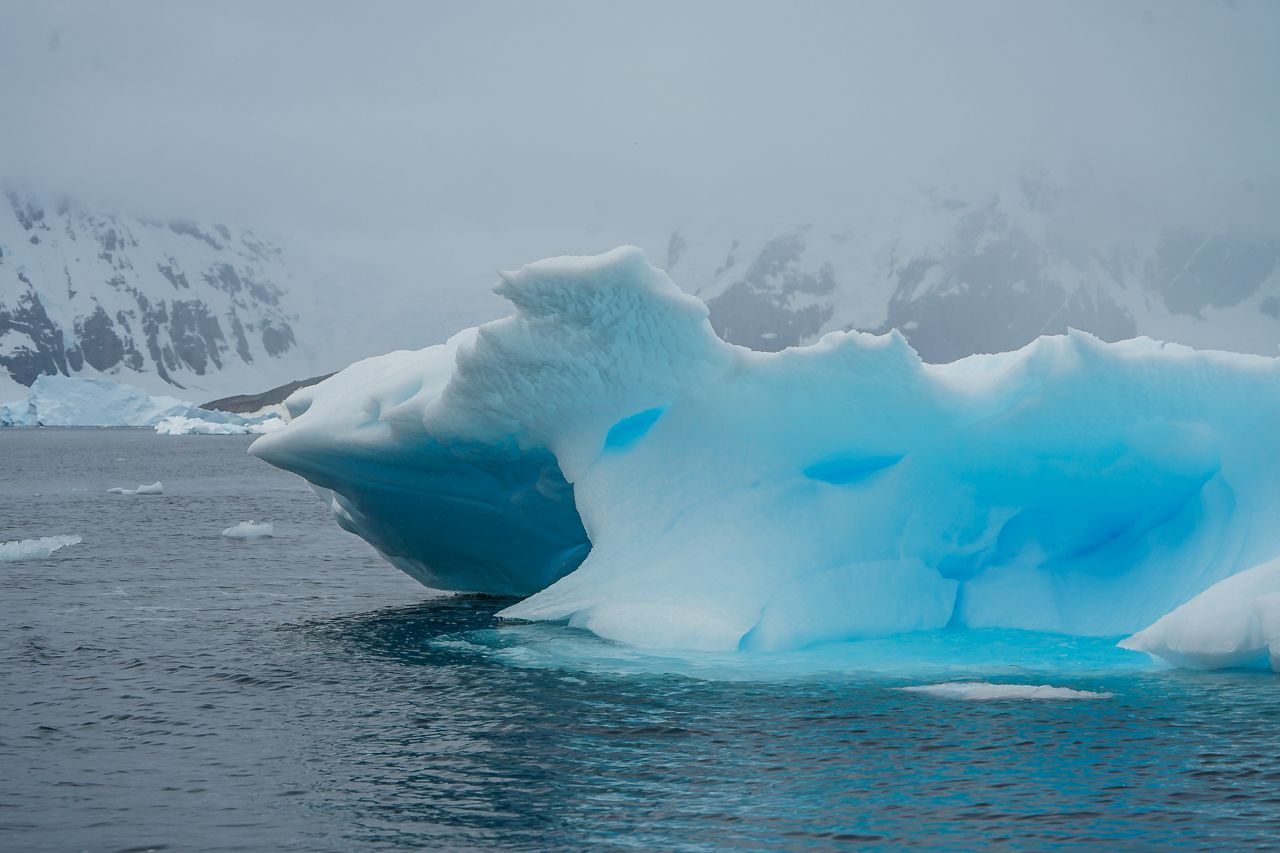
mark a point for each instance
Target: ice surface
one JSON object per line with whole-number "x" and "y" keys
{"x": 603, "y": 452}
{"x": 924, "y": 657}
{"x": 1234, "y": 623}
{"x": 34, "y": 549}
{"x": 985, "y": 692}
{"x": 155, "y": 488}
{"x": 179, "y": 425}
{"x": 74, "y": 401}
{"x": 250, "y": 530}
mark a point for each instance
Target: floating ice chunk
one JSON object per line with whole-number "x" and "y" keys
{"x": 155, "y": 488}
{"x": 975, "y": 691}
{"x": 249, "y": 530}
{"x": 34, "y": 549}
{"x": 1234, "y": 623}
{"x": 604, "y": 453}
{"x": 179, "y": 425}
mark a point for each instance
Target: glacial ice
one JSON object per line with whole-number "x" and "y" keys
{"x": 70, "y": 401}
{"x": 156, "y": 488}
{"x": 250, "y": 530}
{"x": 1234, "y": 623}
{"x": 604, "y": 453}
{"x": 179, "y": 425}
{"x": 34, "y": 549}
{"x": 982, "y": 691}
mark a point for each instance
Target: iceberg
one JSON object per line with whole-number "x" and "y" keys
{"x": 1234, "y": 623}
{"x": 179, "y": 425}
{"x": 604, "y": 454}
{"x": 249, "y": 530}
{"x": 69, "y": 401}
{"x": 156, "y": 488}
{"x": 34, "y": 549}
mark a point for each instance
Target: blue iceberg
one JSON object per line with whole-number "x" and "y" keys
{"x": 604, "y": 454}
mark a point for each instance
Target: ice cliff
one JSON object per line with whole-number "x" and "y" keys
{"x": 603, "y": 452}
{"x": 70, "y": 401}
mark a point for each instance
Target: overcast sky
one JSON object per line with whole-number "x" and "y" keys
{"x": 382, "y": 118}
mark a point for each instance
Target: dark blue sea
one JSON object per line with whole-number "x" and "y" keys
{"x": 164, "y": 688}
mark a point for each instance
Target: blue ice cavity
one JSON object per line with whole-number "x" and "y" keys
{"x": 631, "y": 429}
{"x": 844, "y": 469}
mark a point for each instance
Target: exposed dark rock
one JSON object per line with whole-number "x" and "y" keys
{"x": 224, "y": 277}
{"x": 99, "y": 343}
{"x": 758, "y": 310}
{"x": 1195, "y": 270}
{"x": 46, "y": 353}
{"x": 242, "y": 403}
{"x": 190, "y": 229}
{"x": 276, "y": 339}
{"x": 675, "y": 248}
{"x": 197, "y": 337}
{"x": 30, "y": 215}
{"x": 990, "y": 292}
{"x": 242, "y": 340}
{"x": 174, "y": 275}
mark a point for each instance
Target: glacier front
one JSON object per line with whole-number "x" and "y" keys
{"x": 77, "y": 401}
{"x": 604, "y": 453}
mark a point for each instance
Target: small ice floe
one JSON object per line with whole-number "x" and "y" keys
{"x": 34, "y": 549}
{"x": 250, "y": 530}
{"x": 156, "y": 488}
{"x": 986, "y": 691}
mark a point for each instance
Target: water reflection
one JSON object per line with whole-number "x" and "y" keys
{"x": 406, "y": 633}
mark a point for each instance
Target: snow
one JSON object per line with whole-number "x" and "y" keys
{"x": 249, "y": 530}
{"x": 1234, "y": 623}
{"x": 603, "y": 452}
{"x": 76, "y": 401}
{"x": 982, "y": 691}
{"x": 155, "y": 488}
{"x": 179, "y": 425}
{"x": 34, "y": 549}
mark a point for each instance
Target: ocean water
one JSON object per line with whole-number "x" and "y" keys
{"x": 164, "y": 688}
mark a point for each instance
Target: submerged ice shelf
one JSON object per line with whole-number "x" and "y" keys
{"x": 604, "y": 453}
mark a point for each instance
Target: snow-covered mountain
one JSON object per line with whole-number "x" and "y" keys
{"x": 985, "y": 274}
{"x": 167, "y": 306}
{"x": 204, "y": 310}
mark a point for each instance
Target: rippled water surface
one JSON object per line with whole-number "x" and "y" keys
{"x": 162, "y": 687}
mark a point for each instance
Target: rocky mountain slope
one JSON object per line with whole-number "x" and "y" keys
{"x": 959, "y": 276}
{"x": 211, "y": 310}
{"x": 162, "y": 305}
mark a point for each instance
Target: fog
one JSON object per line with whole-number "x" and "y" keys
{"x": 422, "y": 132}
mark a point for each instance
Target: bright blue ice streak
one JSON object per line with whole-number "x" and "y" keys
{"x": 630, "y": 429}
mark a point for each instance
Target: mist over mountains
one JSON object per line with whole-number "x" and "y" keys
{"x": 972, "y": 174}
{"x": 988, "y": 272}
{"x": 219, "y": 309}
{"x": 175, "y": 305}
